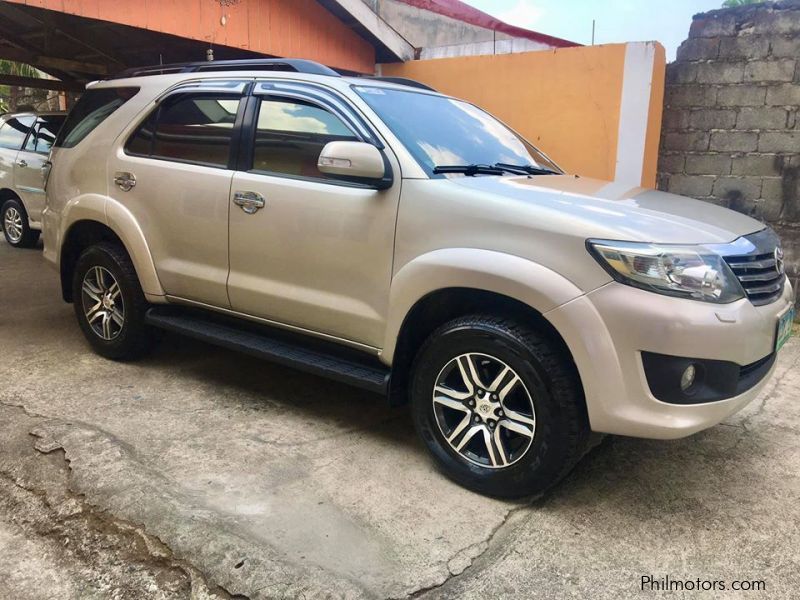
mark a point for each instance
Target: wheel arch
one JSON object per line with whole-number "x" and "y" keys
{"x": 118, "y": 226}
{"x": 470, "y": 281}
{"x": 8, "y": 194}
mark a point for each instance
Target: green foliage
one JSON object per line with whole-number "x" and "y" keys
{"x": 9, "y": 67}
{"x": 733, "y": 3}
{"x": 11, "y": 97}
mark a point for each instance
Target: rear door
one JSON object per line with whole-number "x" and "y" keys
{"x": 13, "y": 132}
{"x": 174, "y": 174}
{"x": 29, "y": 166}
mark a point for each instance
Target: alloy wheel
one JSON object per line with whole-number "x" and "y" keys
{"x": 484, "y": 410}
{"x": 12, "y": 222}
{"x": 102, "y": 303}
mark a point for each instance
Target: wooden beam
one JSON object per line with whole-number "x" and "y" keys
{"x": 46, "y": 84}
{"x": 51, "y": 62}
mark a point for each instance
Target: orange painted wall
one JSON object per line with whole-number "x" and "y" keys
{"x": 565, "y": 101}
{"x": 286, "y": 28}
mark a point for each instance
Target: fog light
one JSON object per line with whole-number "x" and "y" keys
{"x": 688, "y": 377}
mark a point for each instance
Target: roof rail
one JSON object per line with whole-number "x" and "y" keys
{"x": 254, "y": 64}
{"x": 402, "y": 81}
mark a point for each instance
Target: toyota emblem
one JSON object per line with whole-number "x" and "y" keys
{"x": 780, "y": 266}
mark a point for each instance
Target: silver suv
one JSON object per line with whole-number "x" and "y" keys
{"x": 25, "y": 142}
{"x": 384, "y": 235}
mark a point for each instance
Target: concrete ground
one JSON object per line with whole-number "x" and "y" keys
{"x": 205, "y": 474}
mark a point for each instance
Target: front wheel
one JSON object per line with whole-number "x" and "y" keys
{"x": 16, "y": 229}
{"x": 499, "y": 406}
{"x": 109, "y": 303}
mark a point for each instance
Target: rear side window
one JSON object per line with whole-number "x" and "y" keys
{"x": 194, "y": 128}
{"x": 94, "y": 107}
{"x": 14, "y": 131}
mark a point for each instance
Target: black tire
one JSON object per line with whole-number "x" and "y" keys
{"x": 28, "y": 236}
{"x": 133, "y": 338}
{"x": 551, "y": 383}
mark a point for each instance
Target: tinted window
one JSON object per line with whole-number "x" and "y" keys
{"x": 291, "y": 135}
{"x": 94, "y": 107}
{"x": 441, "y": 131}
{"x": 44, "y": 134}
{"x": 141, "y": 142}
{"x": 30, "y": 143}
{"x": 196, "y": 129}
{"x": 13, "y": 132}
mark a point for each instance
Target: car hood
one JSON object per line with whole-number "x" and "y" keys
{"x": 613, "y": 210}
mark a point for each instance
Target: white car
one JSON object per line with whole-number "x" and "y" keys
{"x": 25, "y": 141}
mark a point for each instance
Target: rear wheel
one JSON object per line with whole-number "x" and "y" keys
{"x": 109, "y": 303}
{"x": 499, "y": 406}
{"x": 16, "y": 229}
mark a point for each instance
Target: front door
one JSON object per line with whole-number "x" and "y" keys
{"x": 174, "y": 174}
{"x": 309, "y": 251}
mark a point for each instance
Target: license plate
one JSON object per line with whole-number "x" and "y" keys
{"x": 784, "y": 329}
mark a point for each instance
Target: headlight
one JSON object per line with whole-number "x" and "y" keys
{"x": 684, "y": 271}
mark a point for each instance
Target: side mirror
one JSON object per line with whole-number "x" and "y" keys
{"x": 357, "y": 162}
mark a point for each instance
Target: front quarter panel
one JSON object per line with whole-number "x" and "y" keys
{"x": 497, "y": 272}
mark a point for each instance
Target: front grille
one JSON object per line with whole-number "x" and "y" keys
{"x": 759, "y": 275}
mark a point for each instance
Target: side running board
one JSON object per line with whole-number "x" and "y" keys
{"x": 320, "y": 358}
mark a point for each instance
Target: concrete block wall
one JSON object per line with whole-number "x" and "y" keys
{"x": 731, "y": 128}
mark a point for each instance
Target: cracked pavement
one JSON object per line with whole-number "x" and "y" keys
{"x": 200, "y": 473}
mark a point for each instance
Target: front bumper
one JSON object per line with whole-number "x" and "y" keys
{"x": 608, "y": 329}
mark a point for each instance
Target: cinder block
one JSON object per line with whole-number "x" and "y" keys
{"x": 742, "y": 95}
{"x": 698, "y": 49}
{"x": 671, "y": 163}
{"x": 720, "y": 72}
{"x": 786, "y": 94}
{"x": 733, "y": 141}
{"x": 779, "y": 141}
{"x": 706, "y": 119}
{"x": 695, "y": 186}
{"x": 772, "y": 188}
{"x": 744, "y": 47}
{"x": 708, "y": 164}
{"x": 776, "y": 22}
{"x": 715, "y": 25}
{"x": 732, "y": 188}
{"x": 770, "y": 70}
{"x": 675, "y": 118}
{"x": 762, "y": 117}
{"x": 690, "y": 140}
{"x": 681, "y": 72}
{"x": 691, "y": 95}
{"x": 758, "y": 165}
{"x": 783, "y": 46}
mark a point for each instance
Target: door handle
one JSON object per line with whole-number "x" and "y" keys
{"x": 22, "y": 163}
{"x": 250, "y": 202}
{"x": 124, "y": 181}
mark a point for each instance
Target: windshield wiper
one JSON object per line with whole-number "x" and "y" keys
{"x": 526, "y": 169}
{"x": 495, "y": 169}
{"x": 470, "y": 170}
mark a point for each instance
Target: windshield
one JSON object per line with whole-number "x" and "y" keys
{"x": 440, "y": 131}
